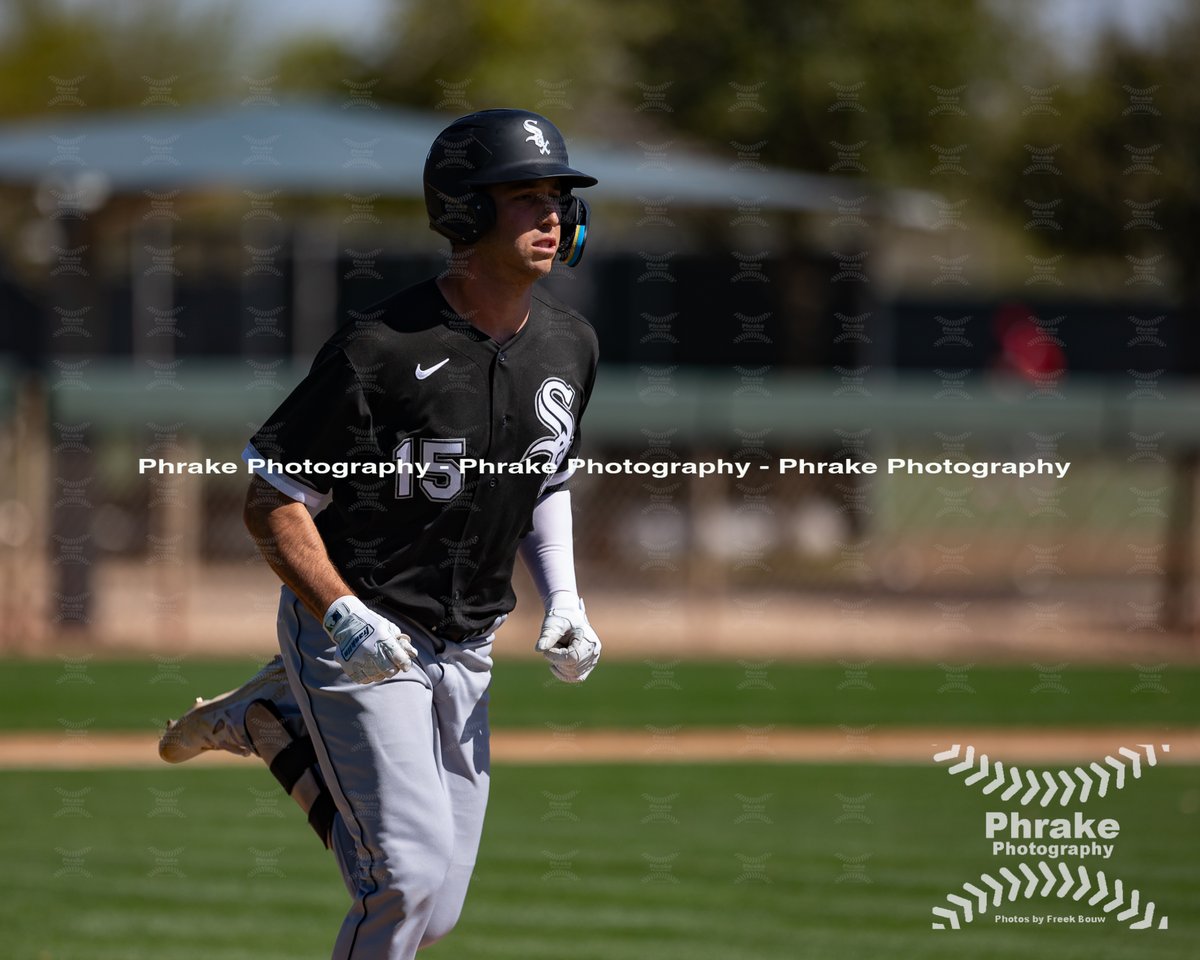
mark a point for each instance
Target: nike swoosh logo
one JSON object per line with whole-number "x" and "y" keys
{"x": 422, "y": 373}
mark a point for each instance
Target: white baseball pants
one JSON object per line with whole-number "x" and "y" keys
{"x": 407, "y": 763}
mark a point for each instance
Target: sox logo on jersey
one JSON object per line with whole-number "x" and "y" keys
{"x": 553, "y": 406}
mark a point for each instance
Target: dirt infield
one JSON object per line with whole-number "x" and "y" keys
{"x": 230, "y": 611}
{"x": 54, "y": 751}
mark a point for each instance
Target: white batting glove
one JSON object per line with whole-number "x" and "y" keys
{"x": 567, "y": 639}
{"x": 369, "y": 647}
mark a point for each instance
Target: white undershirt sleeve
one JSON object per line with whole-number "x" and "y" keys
{"x": 547, "y": 550}
{"x": 288, "y": 486}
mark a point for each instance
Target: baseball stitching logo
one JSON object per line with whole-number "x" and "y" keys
{"x": 994, "y": 777}
{"x": 553, "y": 406}
{"x": 1025, "y": 788}
{"x": 973, "y": 901}
{"x": 538, "y": 137}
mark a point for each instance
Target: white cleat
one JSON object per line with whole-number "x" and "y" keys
{"x": 220, "y": 723}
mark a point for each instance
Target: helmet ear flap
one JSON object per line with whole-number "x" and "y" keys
{"x": 485, "y": 213}
{"x": 463, "y": 218}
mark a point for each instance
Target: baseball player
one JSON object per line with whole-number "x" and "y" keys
{"x": 374, "y": 717}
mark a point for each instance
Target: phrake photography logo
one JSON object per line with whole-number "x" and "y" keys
{"x": 1051, "y": 852}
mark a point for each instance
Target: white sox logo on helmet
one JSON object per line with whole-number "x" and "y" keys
{"x": 538, "y": 137}
{"x": 553, "y": 406}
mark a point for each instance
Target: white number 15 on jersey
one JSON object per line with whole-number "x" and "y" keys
{"x": 443, "y": 476}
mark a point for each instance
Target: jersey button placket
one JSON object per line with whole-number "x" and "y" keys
{"x": 499, "y": 398}
{"x": 462, "y": 572}
{"x": 505, "y": 420}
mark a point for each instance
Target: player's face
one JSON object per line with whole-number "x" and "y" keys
{"x": 528, "y": 227}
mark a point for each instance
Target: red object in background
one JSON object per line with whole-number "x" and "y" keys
{"x": 1025, "y": 348}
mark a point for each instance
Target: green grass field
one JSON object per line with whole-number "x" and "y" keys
{"x": 594, "y": 862}
{"x": 587, "y": 863}
{"x": 138, "y": 695}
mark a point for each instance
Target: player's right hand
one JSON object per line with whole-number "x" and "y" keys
{"x": 369, "y": 647}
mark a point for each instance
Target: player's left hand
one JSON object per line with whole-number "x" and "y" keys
{"x": 567, "y": 639}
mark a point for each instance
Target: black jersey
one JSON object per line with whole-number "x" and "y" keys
{"x": 413, "y": 383}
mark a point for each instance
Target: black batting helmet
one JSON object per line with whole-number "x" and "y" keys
{"x": 500, "y": 146}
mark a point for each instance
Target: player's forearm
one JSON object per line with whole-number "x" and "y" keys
{"x": 289, "y": 542}
{"x": 548, "y": 550}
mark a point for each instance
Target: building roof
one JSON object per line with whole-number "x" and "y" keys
{"x": 314, "y": 147}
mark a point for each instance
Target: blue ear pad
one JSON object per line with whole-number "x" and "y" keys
{"x": 574, "y": 230}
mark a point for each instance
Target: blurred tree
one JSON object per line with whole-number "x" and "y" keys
{"x": 461, "y": 55}
{"x": 801, "y": 76}
{"x": 102, "y": 55}
{"x": 857, "y": 71}
{"x": 316, "y": 64}
{"x": 1115, "y": 152}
